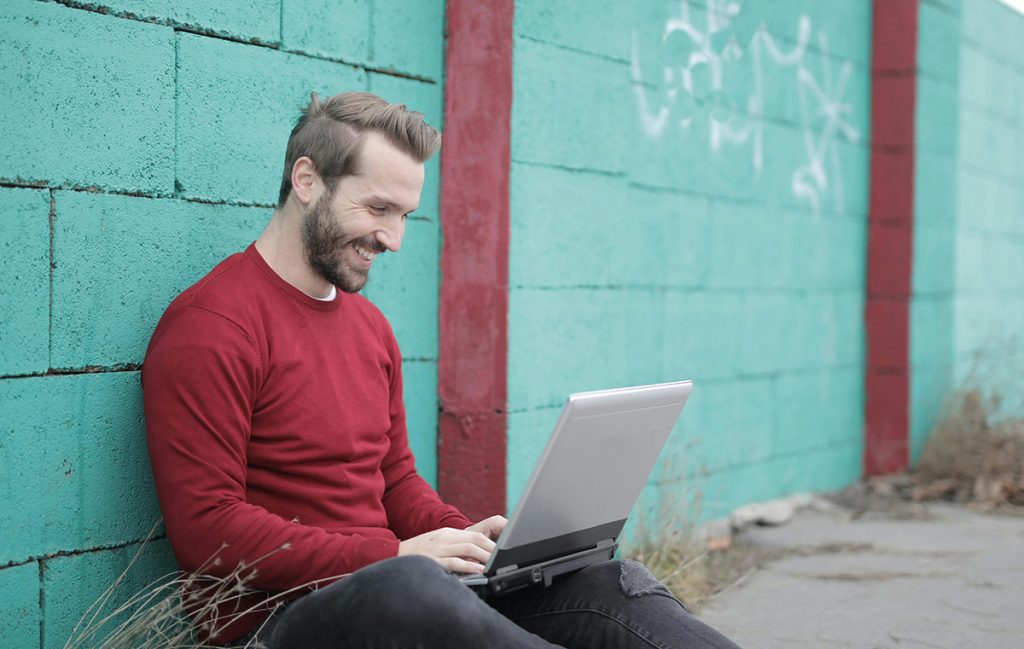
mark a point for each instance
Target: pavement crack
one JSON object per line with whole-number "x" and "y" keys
{"x": 879, "y": 575}
{"x": 971, "y": 611}
{"x": 898, "y": 639}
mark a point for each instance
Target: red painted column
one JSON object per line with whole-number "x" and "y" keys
{"x": 475, "y": 159}
{"x": 890, "y": 236}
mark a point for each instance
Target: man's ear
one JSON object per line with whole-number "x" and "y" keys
{"x": 306, "y": 183}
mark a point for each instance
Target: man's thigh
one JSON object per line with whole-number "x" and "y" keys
{"x": 400, "y": 602}
{"x": 610, "y": 604}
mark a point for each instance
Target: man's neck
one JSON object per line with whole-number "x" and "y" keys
{"x": 282, "y": 248}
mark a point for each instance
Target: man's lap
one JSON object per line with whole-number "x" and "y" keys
{"x": 413, "y": 602}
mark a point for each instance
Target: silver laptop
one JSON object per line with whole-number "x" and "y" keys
{"x": 587, "y": 480}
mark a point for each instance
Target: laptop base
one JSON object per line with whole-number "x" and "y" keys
{"x": 513, "y": 578}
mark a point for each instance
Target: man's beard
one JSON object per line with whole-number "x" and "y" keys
{"x": 325, "y": 242}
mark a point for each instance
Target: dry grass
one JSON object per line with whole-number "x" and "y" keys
{"x": 161, "y": 615}
{"x": 969, "y": 458}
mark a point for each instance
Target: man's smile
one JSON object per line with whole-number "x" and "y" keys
{"x": 364, "y": 254}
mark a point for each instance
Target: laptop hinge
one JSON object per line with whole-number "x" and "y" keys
{"x": 504, "y": 570}
{"x": 607, "y": 543}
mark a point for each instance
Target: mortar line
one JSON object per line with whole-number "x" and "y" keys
{"x": 280, "y": 21}
{"x": 253, "y": 41}
{"x": 570, "y": 168}
{"x": 92, "y": 189}
{"x": 717, "y": 381}
{"x": 88, "y": 369}
{"x": 49, "y": 317}
{"x": 42, "y": 604}
{"x": 370, "y": 14}
{"x": 725, "y": 468}
{"x": 742, "y": 291}
{"x": 177, "y": 110}
{"x": 574, "y": 50}
{"x": 40, "y": 559}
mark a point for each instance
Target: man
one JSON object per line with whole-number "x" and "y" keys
{"x": 277, "y": 435}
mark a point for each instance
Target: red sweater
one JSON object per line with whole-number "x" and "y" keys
{"x": 274, "y": 418}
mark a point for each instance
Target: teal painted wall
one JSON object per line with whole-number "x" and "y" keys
{"x": 968, "y": 304}
{"x": 142, "y": 141}
{"x": 689, "y": 200}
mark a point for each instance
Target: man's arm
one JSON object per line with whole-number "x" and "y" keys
{"x": 201, "y": 377}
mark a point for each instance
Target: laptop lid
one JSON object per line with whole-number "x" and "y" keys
{"x": 591, "y": 472}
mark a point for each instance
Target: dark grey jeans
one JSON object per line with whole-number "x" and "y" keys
{"x": 412, "y": 602}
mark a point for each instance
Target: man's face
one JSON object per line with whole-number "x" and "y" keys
{"x": 363, "y": 215}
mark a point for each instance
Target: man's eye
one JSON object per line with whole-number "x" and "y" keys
{"x": 378, "y": 209}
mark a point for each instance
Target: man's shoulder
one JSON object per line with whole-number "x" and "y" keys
{"x": 227, "y": 293}
{"x": 226, "y": 289}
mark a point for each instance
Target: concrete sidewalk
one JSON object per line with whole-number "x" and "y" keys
{"x": 952, "y": 578}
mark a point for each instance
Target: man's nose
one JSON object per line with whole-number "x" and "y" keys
{"x": 390, "y": 235}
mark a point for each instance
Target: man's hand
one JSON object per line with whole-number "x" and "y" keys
{"x": 491, "y": 527}
{"x": 457, "y": 550}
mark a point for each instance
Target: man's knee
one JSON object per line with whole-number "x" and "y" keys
{"x": 626, "y": 577}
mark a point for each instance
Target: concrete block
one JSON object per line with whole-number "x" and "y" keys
{"x": 937, "y": 29}
{"x": 703, "y": 330}
{"x": 845, "y": 25}
{"x": 930, "y": 387}
{"x": 408, "y": 37}
{"x": 72, "y": 584}
{"x": 931, "y": 330}
{"x": 934, "y": 247}
{"x": 937, "y": 111}
{"x": 561, "y": 111}
{"x": 258, "y": 20}
{"x": 76, "y": 473}
{"x": 19, "y": 606}
{"x": 735, "y": 425}
{"x": 420, "y": 378}
{"x": 821, "y": 470}
{"x": 816, "y": 408}
{"x": 120, "y": 260}
{"x": 989, "y": 82}
{"x": 327, "y": 28}
{"x": 25, "y": 293}
{"x": 845, "y": 242}
{"x": 987, "y": 143}
{"x": 682, "y": 221}
{"x": 404, "y": 285}
{"x": 75, "y": 109}
{"x": 937, "y": 173}
{"x": 750, "y": 246}
{"x": 426, "y": 98}
{"x": 581, "y": 339}
{"x": 992, "y": 24}
{"x": 597, "y": 30}
{"x": 578, "y": 229}
{"x": 237, "y": 105}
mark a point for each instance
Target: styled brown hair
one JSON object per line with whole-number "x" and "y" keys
{"x": 331, "y": 132}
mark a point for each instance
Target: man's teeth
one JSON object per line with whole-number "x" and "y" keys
{"x": 364, "y": 253}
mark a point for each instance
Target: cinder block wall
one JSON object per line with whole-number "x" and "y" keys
{"x": 988, "y": 341}
{"x": 140, "y": 143}
{"x": 689, "y": 200}
{"x": 969, "y": 214}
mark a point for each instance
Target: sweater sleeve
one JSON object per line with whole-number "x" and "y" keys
{"x": 412, "y": 506}
{"x": 201, "y": 376}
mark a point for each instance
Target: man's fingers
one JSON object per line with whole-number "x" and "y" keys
{"x": 461, "y": 565}
{"x": 470, "y": 551}
{"x": 466, "y": 536}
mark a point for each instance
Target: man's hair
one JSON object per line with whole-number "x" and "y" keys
{"x": 331, "y": 132}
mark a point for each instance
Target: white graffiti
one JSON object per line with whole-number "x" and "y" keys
{"x": 693, "y": 87}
